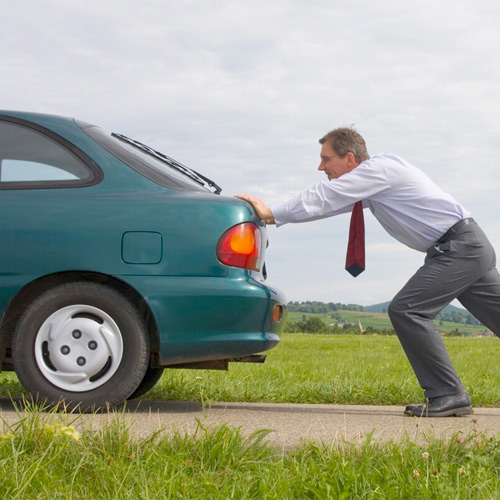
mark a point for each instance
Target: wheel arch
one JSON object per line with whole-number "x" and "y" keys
{"x": 29, "y": 292}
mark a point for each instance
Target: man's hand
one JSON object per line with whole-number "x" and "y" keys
{"x": 263, "y": 211}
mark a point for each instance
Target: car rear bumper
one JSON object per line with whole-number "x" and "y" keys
{"x": 211, "y": 318}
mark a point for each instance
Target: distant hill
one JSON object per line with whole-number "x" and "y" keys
{"x": 382, "y": 308}
{"x": 449, "y": 319}
{"x": 378, "y": 308}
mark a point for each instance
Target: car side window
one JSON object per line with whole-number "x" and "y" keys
{"x": 29, "y": 158}
{"x": 21, "y": 171}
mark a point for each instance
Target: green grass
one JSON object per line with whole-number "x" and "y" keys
{"x": 43, "y": 457}
{"x": 345, "y": 369}
{"x": 342, "y": 369}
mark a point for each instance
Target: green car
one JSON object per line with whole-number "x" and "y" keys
{"x": 117, "y": 261}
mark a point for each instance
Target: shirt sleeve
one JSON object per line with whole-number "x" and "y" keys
{"x": 333, "y": 197}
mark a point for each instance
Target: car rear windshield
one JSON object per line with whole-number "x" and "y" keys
{"x": 146, "y": 161}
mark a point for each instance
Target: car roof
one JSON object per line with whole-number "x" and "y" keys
{"x": 39, "y": 118}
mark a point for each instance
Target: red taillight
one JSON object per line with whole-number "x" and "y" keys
{"x": 239, "y": 246}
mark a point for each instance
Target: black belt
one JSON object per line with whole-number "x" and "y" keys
{"x": 455, "y": 228}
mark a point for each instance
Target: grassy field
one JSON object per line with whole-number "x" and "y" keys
{"x": 45, "y": 457}
{"x": 345, "y": 369}
{"x": 381, "y": 321}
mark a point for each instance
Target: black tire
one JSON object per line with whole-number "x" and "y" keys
{"x": 83, "y": 344}
{"x": 151, "y": 376}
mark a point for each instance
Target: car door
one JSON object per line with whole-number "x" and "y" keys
{"x": 35, "y": 167}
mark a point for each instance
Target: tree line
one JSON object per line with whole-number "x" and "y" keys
{"x": 322, "y": 307}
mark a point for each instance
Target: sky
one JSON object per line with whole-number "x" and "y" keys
{"x": 242, "y": 92}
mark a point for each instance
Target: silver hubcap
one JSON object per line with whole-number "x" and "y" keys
{"x": 78, "y": 348}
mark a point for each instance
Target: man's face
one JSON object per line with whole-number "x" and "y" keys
{"x": 333, "y": 165}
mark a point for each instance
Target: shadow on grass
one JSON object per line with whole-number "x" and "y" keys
{"x": 133, "y": 406}
{"x": 162, "y": 406}
{"x": 143, "y": 406}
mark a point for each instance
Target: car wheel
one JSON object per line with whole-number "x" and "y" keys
{"x": 82, "y": 343}
{"x": 151, "y": 376}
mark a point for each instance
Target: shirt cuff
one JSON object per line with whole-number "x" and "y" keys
{"x": 279, "y": 213}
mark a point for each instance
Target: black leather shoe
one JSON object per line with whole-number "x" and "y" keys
{"x": 455, "y": 405}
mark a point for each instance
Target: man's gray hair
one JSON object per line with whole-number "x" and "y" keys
{"x": 345, "y": 140}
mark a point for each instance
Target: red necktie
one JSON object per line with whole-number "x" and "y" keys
{"x": 355, "y": 260}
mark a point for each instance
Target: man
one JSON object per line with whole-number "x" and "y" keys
{"x": 459, "y": 262}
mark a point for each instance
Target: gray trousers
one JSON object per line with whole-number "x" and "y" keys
{"x": 462, "y": 267}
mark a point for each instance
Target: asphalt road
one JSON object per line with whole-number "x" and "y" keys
{"x": 289, "y": 423}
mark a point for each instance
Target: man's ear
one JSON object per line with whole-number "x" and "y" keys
{"x": 351, "y": 160}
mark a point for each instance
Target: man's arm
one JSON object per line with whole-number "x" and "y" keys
{"x": 262, "y": 210}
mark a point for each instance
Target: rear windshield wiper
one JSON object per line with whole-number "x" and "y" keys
{"x": 193, "y": 174}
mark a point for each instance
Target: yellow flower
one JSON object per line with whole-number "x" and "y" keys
{"x": 71, "y": 432}
{"x": 62, "y": 430}
{"x": 425, "y": 455}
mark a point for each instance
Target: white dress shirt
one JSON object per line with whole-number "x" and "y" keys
{"x": 408, "y": 205}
